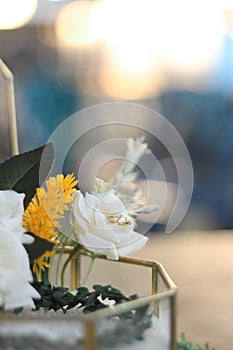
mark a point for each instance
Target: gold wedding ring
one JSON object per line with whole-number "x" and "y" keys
{"x": 120, "y": 219}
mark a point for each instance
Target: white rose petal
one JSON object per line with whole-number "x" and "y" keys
{"x": 27, "y": 239}
{"x": 13, "y": 255}
{"x": 11, "y": 209}
{"x": 15, "y": 273}
{"x": 94, "y": 230}
{"x": 17, "y": 292}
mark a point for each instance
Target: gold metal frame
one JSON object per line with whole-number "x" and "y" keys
{"x": 10, "y": 104}
{"x": 157, "y": 270}
{"x": 90, "y": 341}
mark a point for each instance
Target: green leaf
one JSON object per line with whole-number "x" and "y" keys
{"x": 101, "y": 289}
{"x": 183, "y": 344}
{"x": 91, "y": 300}
{"x": 21, "y": 173}
{"x": 62, "y": 297}
{"x": 38, "y": 247}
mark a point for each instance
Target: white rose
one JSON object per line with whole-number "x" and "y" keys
{"x": 15, "y": 273}
{"x": 11, "y": 209}
{"x": 11, "y": 213}
{"x": 93, "y": 229}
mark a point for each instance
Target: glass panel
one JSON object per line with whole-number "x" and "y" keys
{"x": 133, "y": 328}
{"x": 142, "y": 323}
{"x": 165, "y": 320}
{"x": 136, "y": 329}
{"x": 41, "y": 331}
{"x": 161, "y": 284}
{"x": 129, "y": 278}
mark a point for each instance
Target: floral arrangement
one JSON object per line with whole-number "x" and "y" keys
{"x": 35, "y": 221}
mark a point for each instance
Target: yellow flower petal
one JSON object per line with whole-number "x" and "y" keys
{"x": 44, "y": 210}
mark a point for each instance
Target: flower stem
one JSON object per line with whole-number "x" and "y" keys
{"x": 59, "y": 263}
{"x": 45, "y": 275}
{"x": 89, "y": 270}
{"x": 76, "y": 251}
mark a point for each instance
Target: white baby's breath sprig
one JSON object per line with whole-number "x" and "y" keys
{"x": 102, "y": 186}
{"x": 124, "y": 183}
{"x": 135, "y": 150}
{"x": 107, "y": 302}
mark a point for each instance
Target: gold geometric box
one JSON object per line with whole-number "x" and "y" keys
{"x": 8, "y": 128}
{"x": 99, "y": 330}
{"x": 154, "y": 315}
{"x": 161, "y": 301}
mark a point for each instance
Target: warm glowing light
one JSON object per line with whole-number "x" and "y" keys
{"x": 129, "y": 29}
{"x": 16, "y": 13}
{"x": 227, "y": 10}
{"x": 143, "y": 42}
{"x": 74, "y": 24}
{"x": 126, "y": 21}
{"x": 122, "y": 84}
{"x": 146, "y": 37}
{"x": 191, "y": 35}
{"x": 183, "y": 33}
{"x": 226, "y": 4}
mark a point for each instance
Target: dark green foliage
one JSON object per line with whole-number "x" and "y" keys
{"x": 54, "y": 298}
{"x": 79, "y": 298}
{"x": 60, "y": 298}
{"x": 24, "y": 173}
{"x": 183, "y": 344}
{"x": 128, "y": 326}
{"x": 92, "y": 302}
{"x": 21, "y": 173}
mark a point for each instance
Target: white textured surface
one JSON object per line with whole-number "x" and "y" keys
{"x": 69, "y": 333}
{"x": 156, "y": 338}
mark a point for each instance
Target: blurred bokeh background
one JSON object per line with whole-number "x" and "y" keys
{"x": 174, "y": 57}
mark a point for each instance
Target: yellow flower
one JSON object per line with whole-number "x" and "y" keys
{"x": 41, "y": 262}
{"x": 44, "y": 210}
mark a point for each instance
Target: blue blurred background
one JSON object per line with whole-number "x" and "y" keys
{"x": 178, "y": 61}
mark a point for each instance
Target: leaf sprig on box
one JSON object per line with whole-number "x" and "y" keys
{"x": 183, "y": 344}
